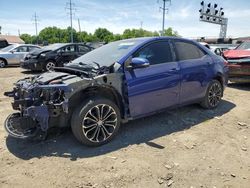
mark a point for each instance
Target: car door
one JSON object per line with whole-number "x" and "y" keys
{"x": 157, "y": 86}
{"x": 196, "y": 66}
{"x": 18, "y": 54}
{"x": 65, "y": 54}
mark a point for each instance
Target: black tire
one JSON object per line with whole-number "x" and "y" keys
{"x": 3, "y": 63}
{"x": 84, "y": 115}
{"x": 213, "y": 95}
{"x": 48, "y": 64}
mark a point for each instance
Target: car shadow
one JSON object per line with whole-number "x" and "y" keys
{"x": 139, "y": 131}
{"x": 241, "y": 86}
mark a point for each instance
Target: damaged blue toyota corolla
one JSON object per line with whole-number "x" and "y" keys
{"x": 117, "y": 82}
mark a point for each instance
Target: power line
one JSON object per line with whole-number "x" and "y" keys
{"x": 71, "y": 7}
{"x": 35, "y": 20}
{"x": 165, "y": 10}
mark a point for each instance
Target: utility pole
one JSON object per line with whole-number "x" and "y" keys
{"x": 79, "y": 25}
{"x": 164, "y": 14}
{"x": 70, "y": 6}
{"x": 141, "y": 24}
{"x": 35, "y": 20}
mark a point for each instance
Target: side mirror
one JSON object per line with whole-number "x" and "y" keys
{"x": 12, "y": 51}
{"x": 218, "y": 52}
{"x": 138, "y": 62}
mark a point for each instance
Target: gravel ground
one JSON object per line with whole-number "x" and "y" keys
{"x": 185, "y": 147}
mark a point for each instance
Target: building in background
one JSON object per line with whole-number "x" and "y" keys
{"x": 12, "y": 39}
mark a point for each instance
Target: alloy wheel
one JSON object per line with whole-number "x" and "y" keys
{"x": 214, "y": 94}
{"x": 50, "y": 65}
{"x": 2, "y": 63}
{"x": 99, "y": 123}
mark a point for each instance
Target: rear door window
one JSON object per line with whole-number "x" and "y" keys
{"x": 31, "y": 48}
{"x": 22, "y": 49}
{"x": 83, "y": 49}
{"x": 186, "y": 51}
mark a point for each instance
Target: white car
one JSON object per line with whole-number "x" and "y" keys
{"x": 13, "y": 54}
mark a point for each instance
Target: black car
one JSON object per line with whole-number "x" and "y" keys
{"x": 54, "y": 55}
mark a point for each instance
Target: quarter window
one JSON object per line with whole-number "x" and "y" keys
{"x": 156, "y": 53}
{"x": 187, "y": 51}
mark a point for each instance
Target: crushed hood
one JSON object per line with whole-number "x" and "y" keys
{"x": 233, "y": 54}
{"x": 47, "y": 77}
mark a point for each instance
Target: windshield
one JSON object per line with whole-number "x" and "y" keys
{"x": 244, "y": 46}
{"x": 107, "y": 54}
{"x": 8, "y": 48}
{"x": 53, "y": 46}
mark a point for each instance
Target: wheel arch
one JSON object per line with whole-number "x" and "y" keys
{"x": 219, "y": 78}
{"x": 5, "y": 60}
{"x": 98, "y": 91}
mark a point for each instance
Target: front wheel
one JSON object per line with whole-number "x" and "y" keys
{"x": 96, "y": 121}
{"x": 50, "y": 65}
{"x": 213, "y": 95}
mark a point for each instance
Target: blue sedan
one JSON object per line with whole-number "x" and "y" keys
{"x": 118, "y": 82}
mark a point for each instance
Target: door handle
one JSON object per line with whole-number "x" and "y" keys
{"x": 174, "y": 69}
{"x": 209, "y": 63}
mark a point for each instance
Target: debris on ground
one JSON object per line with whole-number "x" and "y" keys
{"x": 242, "y": 124}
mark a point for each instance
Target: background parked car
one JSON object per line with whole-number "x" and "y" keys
{"x": 54, "y": 55}
{"x": 13, "y": 54}
{"x": 218, "y": 49}
{"x": 239, "y": 63}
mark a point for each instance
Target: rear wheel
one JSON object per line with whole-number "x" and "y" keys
{"x": 213, "y": 95}
{"x": 96, "y": 121}
{"x": 2, "y": 63}
{"x": 50, "y": 65}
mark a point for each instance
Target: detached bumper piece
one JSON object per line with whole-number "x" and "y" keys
{"x": 21, "y": 127}
{"x": 32, "y": 124}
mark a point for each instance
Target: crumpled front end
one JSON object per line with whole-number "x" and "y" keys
{"x": 38, "y": 102}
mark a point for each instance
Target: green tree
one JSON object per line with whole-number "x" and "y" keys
{"x": 26, "y": 38}
{"x": 103, "y": 35}
{"x": 170, "y": 32}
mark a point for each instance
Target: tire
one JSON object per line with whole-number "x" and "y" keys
{"x": 49, "y": 65}
{"x": 213, "y": 95}
{"x": 91, "y": 130}
{"x": 3, "y": 63}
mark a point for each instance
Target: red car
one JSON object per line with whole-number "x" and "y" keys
{"x": 239, "y": 63}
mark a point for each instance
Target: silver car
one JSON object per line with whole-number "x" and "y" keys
{"x": 13, "y": 54}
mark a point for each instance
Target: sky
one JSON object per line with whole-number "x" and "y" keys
{"x": 117, "y": 15}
